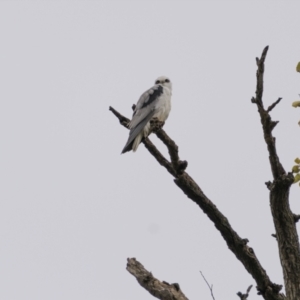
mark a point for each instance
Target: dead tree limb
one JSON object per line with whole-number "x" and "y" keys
{"x": 283, "y": 218}
{"x": 236, "y": 244}
{"x": 159, "y": 289}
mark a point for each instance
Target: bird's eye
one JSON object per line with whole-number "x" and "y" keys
{"x": 167, "y": 80}
{"x": 157, "y": 82}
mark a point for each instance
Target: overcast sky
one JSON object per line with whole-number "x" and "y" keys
{"x": 72, "y": 208}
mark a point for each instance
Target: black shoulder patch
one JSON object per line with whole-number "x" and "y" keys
{"x": 156, "y": 93}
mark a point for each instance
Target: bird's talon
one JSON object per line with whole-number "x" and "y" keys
{"x": 156, "y": 125}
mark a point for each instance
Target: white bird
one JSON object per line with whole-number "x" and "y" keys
{"x": 154, "y": 103}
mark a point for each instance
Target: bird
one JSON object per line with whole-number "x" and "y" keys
{"x": 154, "y": 103}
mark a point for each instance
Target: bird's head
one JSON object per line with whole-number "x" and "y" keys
{"x": 164, "y": 81}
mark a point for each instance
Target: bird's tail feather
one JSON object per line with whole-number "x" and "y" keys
{"x": 134, "y": 132}
{"x": 137, "y": 141}
{"x": 127, "y": 148}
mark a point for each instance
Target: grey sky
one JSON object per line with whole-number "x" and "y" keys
{"x": 72, "y": 208}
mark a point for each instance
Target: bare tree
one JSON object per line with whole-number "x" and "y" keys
{"x": 283, "y": 218}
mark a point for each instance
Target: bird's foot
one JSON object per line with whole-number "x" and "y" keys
{"x": 156, "y": 125}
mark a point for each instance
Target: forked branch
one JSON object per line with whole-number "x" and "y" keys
{"x": 236, "y": 244}
{"x": 283, "y": 218}
{"x": 266, "y": 121}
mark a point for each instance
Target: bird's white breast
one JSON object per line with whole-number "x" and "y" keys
{"x": 163, "y": 106}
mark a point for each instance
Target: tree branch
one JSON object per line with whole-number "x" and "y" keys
{"x": 266, "y": 121}
{"x": 159, "y": 157}
{"x": 178, "y": 165}
{"x": 236, "y": 244}
{"x": 161, "y": 290}
{"x": 123, "y": 120}
{"x": 283, "y": 218}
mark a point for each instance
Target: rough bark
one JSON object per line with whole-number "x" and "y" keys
{"x": 159, "y": 289}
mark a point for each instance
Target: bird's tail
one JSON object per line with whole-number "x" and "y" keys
{"x": 137, "y": 133}
{"x": 137, "y": 141}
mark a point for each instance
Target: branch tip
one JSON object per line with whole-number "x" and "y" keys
{"x": 269, "y": 185}
{"x": 209, "y": 286}
{"x": 244, "y": 296}
{"x": 296, "y": 218}
{"x": 273, "y": 104}
{"x": 123, "y": 120}
{"x": 274, "y": 235}
{"x": 273, "y": 125}
{"x": 245, "y": 241}
{"x": 263, "y": 55}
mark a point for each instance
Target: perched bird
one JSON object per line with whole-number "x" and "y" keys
{"x": 154, "y": 103}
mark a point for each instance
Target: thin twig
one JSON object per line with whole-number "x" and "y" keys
{"x": 273, "y": 105}
{"x": 209, "y": 286}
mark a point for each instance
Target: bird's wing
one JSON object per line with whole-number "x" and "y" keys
{"x": 144, "y": 111}
{"x": 146, "y": 104}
